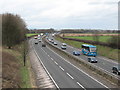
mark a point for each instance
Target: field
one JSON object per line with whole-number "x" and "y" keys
{"x": 100, "y": 38}
{"x": 101, "y": 50}
{"x": 31, "y": 34}
{"x": 87, "y": 34}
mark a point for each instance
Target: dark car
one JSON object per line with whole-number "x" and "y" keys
{"x": 36, "y": 42}
{"x": 39, "y": 40}
{"x": 92, "y": 60}
{"x": 77, "y": 53}
{"x": 43, "y": 45}
{"x": 46, "y": 37}
{"x": 116, "y": 69}
{"x": 63, "y": 47}
{"x": 52, "y": 41}
{"x": 35, "y": 37}
{"x": 55, "y": 43}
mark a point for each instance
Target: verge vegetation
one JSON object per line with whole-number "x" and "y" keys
{"x": 14, "y": 51}
{"x": 15, "y": 74}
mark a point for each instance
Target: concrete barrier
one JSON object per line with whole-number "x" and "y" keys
{"x": 97, "y": 70}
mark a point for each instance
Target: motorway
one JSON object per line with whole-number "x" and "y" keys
{"x": 103, "y": 63}
{"x": 63, "y": 73}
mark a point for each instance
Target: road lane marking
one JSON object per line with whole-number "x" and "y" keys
{"x": 98, "y": 57}
{"x": 61, "y": 68}
{"x": 108, "y": 60}
{"x": 80, "y": 85}
{"x": 95, "y": 65}
{"x": 48, "y": 55}
{"x": 79, "y": 69}
{"x": 69, "y": 75}
{"x": 56, "y": 63}
{"x": 52, "y": 59}
{"x": 46, "y": 70}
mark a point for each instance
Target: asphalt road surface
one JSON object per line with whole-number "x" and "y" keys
{"x": 103, "y": 63}
{"x": 63, "y": 73}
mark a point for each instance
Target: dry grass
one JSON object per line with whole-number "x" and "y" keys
{"x": 68, "y": 34}
{"x": 10, "y": 68}
{"x": 14, "y": 73}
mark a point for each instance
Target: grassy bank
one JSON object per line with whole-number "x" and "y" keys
{"x": 22, "y": 74}
{"x": 101, "y": 38}
{"x": 101, "y": 50}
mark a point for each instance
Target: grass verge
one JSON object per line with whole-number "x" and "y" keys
{"x": 101, "y": 50}
{"x": 23, "y": 71}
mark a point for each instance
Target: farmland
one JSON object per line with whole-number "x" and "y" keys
{"x": 31, "y": 34}
{"x": 100, "y": 38}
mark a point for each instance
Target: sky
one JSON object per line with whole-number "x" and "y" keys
{"x": 65, "y": 14}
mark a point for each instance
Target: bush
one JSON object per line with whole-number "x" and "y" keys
{"x": 114, "y": 42}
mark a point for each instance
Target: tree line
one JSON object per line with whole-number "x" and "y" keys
{"x": 13, "y": 29}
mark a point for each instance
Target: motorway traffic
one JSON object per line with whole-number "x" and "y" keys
{"x": 102, "y": 63}
{"x": 63, "y": 73}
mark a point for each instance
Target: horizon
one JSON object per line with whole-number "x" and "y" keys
{"x": 65, "y": 14}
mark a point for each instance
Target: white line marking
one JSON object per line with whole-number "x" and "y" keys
{"x": 56, "y": 62}
{"x": 108, "y": 60}
{"x": 61, "y": 68}
{"x": 100, "y": 58}
{"x": 80, "y": 85}
{"x": 52, "y": 59}
{"x": 69, "y": 75}
{"x": 48, "y": 55}
{"x": 46, "y": 70}
{"x": 79, "y": 69}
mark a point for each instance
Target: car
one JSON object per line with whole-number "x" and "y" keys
{"x": 77, "y": 53}
{"x": 43, "y": 45}
{"x": 35, "y": 37}
{"x": 39, "y": 40}
{"x": 55, "y": 43}
{"x": 64, "y": 44}
{"x": 52, "y": 41}
{"x": 92, "y": 60}
{"x": 116, "y": 69}
{"x": 63, "y": 47}
{"x": 49, "y": 40}
{"x": 46, "y": 37}
{"x": 36, "y": 42}
{"x": 52, "y": 35}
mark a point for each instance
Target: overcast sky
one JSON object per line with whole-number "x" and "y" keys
{"x": 59, "y": 14}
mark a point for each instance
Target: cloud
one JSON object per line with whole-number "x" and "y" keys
{"x": 64, "y": 13}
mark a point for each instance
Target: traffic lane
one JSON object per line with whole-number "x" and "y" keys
{"x": 60, "y": 77}
{"x": 103, "y": 64}
{"x": 70, "y": 49}
{"x": 75, "y": 74}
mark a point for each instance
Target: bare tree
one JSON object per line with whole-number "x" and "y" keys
{"x": 13, "y": 29}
